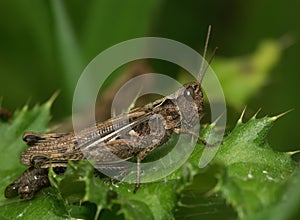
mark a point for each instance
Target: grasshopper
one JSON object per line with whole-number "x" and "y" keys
{"x": 125, "y": 137}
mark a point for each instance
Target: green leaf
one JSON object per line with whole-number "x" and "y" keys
{"x": 46, "y": 205}
{"x": 288, "y": 208}
{"x": 245, "y": 172}
{"x": 251, "y": 177}
{"x": 11, "y": 146}
{"x": 79, "y": 184}
{"x": 254, "y": 176}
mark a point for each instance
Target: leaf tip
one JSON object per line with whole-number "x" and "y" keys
{"x": 240, "y": 121}
{"x": 49, "y": 103}
{"x": 214, "y": 123}
{"x": 293, "y": 152}
{"x": 274, "y": 118}
{"x": 25, "y": 108}
{"x": 254, "y": 116}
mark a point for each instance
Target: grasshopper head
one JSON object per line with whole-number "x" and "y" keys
{"x": 189, "y": 101}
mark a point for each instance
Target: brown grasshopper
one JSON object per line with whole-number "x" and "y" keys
{"x": 148, "y": 128}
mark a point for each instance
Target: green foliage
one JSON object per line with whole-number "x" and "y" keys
{"x": 254, "y": 175}
{"x": 250, "y": 176}
{"x": 47, "y": 44}
{"x": 11, "y": 146}
{"x": 242, "y": 77}
{"x": 44, "y": 46}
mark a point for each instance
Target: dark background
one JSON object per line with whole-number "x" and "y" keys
{"x": 44, "y": 46}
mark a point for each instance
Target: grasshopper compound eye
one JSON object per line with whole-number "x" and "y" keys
{"x": 189, "y": 94}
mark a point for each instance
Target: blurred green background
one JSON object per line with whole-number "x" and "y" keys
{"x": 45, "y": 45}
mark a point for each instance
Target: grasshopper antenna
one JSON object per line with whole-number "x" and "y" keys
{"x": 209, "y": 62}
{"x": 200, "y": 76}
